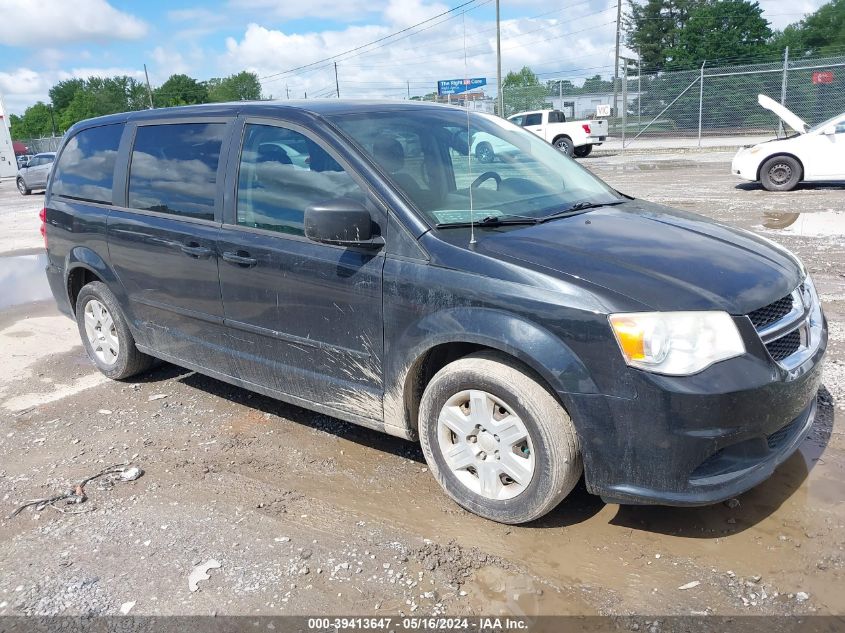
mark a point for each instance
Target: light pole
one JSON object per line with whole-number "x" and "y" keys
{"x": 499, "y": 62}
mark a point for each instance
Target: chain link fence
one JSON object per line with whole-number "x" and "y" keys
{"x": 45, "y": 144}
{"x": 710, "y": 101}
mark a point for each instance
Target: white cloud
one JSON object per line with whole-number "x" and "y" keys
{"x": 33, "y": 23}
{"x": 23, "y": 87}
{"x": 292, "y": 10}
{"x": 169, "y": 62}
{"x": 578, "y": 46}
{"x": 781, "y": 14}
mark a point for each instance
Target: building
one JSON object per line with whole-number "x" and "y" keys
{"x": 583, "y": 106}
{"x": 8, "y": 162}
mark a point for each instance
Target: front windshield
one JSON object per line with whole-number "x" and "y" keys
{"x": 505, "y": 170}
{"x": 830, "y": 121}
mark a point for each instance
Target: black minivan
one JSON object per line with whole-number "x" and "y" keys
{"x": 523, "y": 320}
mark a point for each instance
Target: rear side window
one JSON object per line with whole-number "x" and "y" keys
{"x": 174, "y": 168}
{"x": 85, "y": 170}
{"x": 533, "y": 119}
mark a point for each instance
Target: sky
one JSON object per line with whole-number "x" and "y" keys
{"x": 46, "y": 41}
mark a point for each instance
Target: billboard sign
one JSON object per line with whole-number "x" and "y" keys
{"x": 603, "y": 110}
{"x": 456, "y": 86}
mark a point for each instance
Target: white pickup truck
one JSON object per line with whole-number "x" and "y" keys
{"x": 574, "y": 138}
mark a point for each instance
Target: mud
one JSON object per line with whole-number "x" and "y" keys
{"x": 311, "y": 515}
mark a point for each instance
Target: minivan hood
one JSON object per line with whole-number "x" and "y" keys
{"x": 661, "y": 258}
{"x": 785, "y": 115}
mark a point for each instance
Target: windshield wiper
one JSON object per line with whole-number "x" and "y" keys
{"x": 493, "y": 220}
{"x": 578, "y": 207}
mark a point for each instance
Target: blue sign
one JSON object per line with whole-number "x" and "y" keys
{"x": 456, "y": 86}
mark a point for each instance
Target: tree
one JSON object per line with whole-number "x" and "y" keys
{"x": 821, "y": 33}
{"x": 63, "y": 92}
{"x": 523, "y": 91}
{"x": 654, "y": 28}
{"x": 34, "y": 123}
{"x": 244, "y": 86}
{"x": 728, "y": 29}
{"x": 180, "y": 90}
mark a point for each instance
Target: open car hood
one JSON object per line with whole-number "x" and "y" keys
{"x": 785, "y": 115}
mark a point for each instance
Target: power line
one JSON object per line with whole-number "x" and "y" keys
{"x": 381, "y": 39}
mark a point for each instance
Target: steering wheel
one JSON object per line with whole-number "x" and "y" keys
{"x": 487, "y": 175}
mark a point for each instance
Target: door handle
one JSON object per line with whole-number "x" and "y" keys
{"x": 239, "y": 259}
{"x": 192, "y": 249}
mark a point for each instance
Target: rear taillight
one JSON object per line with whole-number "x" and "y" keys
{"x": 586, "y": 127}
{"x": 42, "y": 215}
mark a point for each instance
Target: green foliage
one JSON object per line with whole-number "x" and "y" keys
{"x": 654, "y": 28}
{"x": 728, "y": 29}
{"x": 34, "y": 123}
{"x": 180, "y": 90}
{"x": 821, "y": 33}
{"x": 523, "y": 91}
{"x": 244, "y": 86}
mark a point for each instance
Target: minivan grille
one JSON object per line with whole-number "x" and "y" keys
{"x": 785, "y": 346}
{"x": 772, "y": 312}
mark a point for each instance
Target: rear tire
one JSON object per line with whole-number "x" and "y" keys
{"x": 484, "y": 152}
{"x": 565, "y": 145}
{"x": 781, "y": 173}
{"x": 583, "y": 151}
{"x": 24, "y": 190}
{"x": 483, "y": 418}
{"x": 105, "y": 334}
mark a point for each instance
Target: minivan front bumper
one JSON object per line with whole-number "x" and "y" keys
{"x": 698, "y": 440}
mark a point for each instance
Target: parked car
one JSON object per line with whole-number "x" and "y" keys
{"x": 525, "y": 324}
{"x": 573, "y": 138}
{"x": 33, "y": 175}
{"x": 487, "y": 148}
{"x": 812, "y": 154}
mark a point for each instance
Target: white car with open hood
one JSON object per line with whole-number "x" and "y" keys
{"x": 812, "y": 154}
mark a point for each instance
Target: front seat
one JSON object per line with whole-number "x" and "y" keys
{"x": 390, "y": 154}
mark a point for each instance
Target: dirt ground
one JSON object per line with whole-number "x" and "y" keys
{"x": 310, "y": 515}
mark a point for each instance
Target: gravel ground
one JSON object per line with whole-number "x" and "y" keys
{"x": 310, "y": 515}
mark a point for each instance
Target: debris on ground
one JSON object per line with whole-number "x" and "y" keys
{"x": 200, "y": 572}
{"x": 126, "y": 607}
{"x": 690, "y": 585}
{"x": 76, "y": 495}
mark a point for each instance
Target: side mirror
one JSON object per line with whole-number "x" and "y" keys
{"x": 344, "y": 222}
{"x": 830, "y": 130}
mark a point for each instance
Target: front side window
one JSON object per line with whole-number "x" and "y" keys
{"x": 85, "y": 170}
{"x": 174, "y": 168}
{"x": 282, "y": 172}
{"x": 484, "y": 164}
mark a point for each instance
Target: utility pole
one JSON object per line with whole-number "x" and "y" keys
{"x": 336, "y": 82}
{"x": 287, "y": 91}
{"x": 624, "y": 102}
{"x": 499, "y": 62}
{"x": 52, "y": 120}
{"x": 781, "y": 129}
{"x": 616, "y": 60}
{"x": 409, "y": 90}
{"x": 149, "y": 90}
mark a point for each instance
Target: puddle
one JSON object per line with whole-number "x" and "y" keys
{"x": 660, "y": 165}
{"x": 22, "y": 280}
{"x": 818, "y": 224}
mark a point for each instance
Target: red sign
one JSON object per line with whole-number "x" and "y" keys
{"x": 823, "y": 77}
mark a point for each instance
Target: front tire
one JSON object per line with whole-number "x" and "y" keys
{"x": 781, "y": 173}
{"x": 498, "y": 442}
{"x": 565, "y": 145}
{"x": 105, "y": 334}
{"x": 583, "y": 151}
{"x": 22, "y": 188}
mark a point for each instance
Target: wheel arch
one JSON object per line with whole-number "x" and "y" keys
{"x": 545, "y": 357}
{"x": 777, "y": 155}
{"x": 83, "y": 266}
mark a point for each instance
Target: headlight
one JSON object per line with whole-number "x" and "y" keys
{"x": 676, "y": 343}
